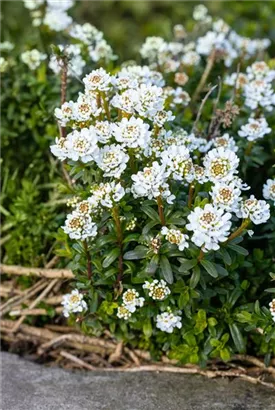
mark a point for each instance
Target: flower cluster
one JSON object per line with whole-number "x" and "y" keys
{"x": 33, "y": 58}
{"x": 157, "y": 290}
{"x": 269, "y": 190}
{"x": 168, "y": 321}
{"x": 73, "y": 303}
{"x": 272, "y": 309}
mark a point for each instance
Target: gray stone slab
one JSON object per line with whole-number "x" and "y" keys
{"x": 28, "y": 386}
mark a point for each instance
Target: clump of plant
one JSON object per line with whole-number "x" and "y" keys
{"x": 158, "y": 215}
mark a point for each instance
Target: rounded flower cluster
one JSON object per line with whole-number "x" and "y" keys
{"x": 175, "y": 236}
{"x": 269, "y": 190}
{"x": 33, "y": 58}
{"x": 158, "y": 290}
{"x": 210, "y": 226}
{"x": 73, "y": 303}
{"x": 168, "y": 321}
{"x": 258, "y": 211}
{"x": 272, "y": 309}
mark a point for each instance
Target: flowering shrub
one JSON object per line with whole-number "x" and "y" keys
{"x": 162, "y": 185}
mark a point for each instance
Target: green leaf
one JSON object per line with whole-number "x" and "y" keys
{"x": 166, "y": 269}
{"x": 195, "y": 278}
{"x": 225, "y": 354}
{"x": 152, "y": 265}
{"x": 201, "y": 322}
{"x": 150, "y": 212}
{"x": 111, "y": 257}
{"x": 226, "y": 257}
{"x": 187, "y": 264}
{"x": 237, "y": 338}
{"x": 238, "y": 249}
{"x": 210, "y": 268}
{"x": 139, "y": 252}
{"x": 147, "y": 328}
{"x": 270, "y": 290}
{"x": 184, "y": 298}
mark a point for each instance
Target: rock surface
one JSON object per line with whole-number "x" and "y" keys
{"x": 28, "y": 386}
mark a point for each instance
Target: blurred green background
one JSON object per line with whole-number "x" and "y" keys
{"x": 126, "y": 23}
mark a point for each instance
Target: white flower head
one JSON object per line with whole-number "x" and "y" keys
{"x": 131, "y": 300}
{"x": 123, "y": 312}
{"x": 158, "y": 289}
{"x": 178, "y": 162}
{"x": 168, "y": 321}
{"x": 226, "y": 142}
{"x": 112, "y": 159}
{"x": 79, "y": 226}
{"x": 269, "y": 190}
{"x": 73, "y": 303}
{"x": 220, "y": 164}
{"x": 81, "y": 145}
{"x": 175, "y": 236}
{"x": 210, "y": 226}
{"x": 106, "y": 194}
{"x": 131, "y": 133}
{"x": 258, "y": 211}
{"x": 226, "y": 196}
{"x": 33, "y": 58}
{"x": 255, "y": 129}
{"x": 151, "y": 183}
{"x": 97, "y": 80}
{"x": 65, "y": 113}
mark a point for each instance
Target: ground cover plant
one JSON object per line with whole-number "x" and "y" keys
{"x": 166, "y": 166}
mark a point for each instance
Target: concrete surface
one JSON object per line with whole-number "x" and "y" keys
{"x": 28, "y": 386}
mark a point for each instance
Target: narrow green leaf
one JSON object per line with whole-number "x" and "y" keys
{"x": 210, "y": 268}
{"x": 110, "y": 258}
{"x": 237, "y": 338}
{"x": 139, "y": 252}
{"x": 187, "y": 264}
{"x": 166, "y": 269}
{"x": 195, "y": 278}
{"x": 238, "y": 249}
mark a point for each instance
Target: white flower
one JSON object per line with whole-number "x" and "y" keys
{"x": 3, "y": 65}
{"x": 104, "y": 131}
{"x": 125, "y": 101}
{"x": 255, "y": 129}
{"x": 181, "y": 78}
{"x": 83, "y": 208}
{"x": 97, "y": 80}
{"x": 175, "y": 236}
{"x": 220, "y": 164}
{"x": 236, "y": 79}
{"x": 152, "y": 47}
{"x": 158, "y": 289}
{"x": 199, "y": 174}
{"x": 137, "y": 75}
{"x": 210, "y": 226}
{"x": 258, "y": 211}
{"x": 131, "y": 300}
{"x": 191, "y": 58}
{"x": 73, "y": 303}
{"x": 168, "y": 321}
{"x": 260, "y": 71}
{"x": 33, "y": 4}
{"x": 151, "y": 183}
{"x": 6, "y": 46}
{"x": 60, "y": 5}
{"x": 59, "y": 149}
{"x": 149, "y": 100}
{"x": 81, "y": 145}
{"x": 180, "y": 97}
{"x": 226, "y": 196}
{"x": 106, "y": 194}
{"x": 162, "y": 117}
{"x": 269, "y": 190}
{"x": 200, "y": 12}
{"x": 123, "y": 312}
{"x": 225, "y": 141}
{"x": 112, "y": 159}
{"x": 259, "y": 93}
{"x": 131, "y": 133}
{"x": 57, "y": 20}
{"x": 87, "y": 33}
{"x": 65, "y": 113}
{"x": 272, "y": 308}
{"x": 79, "y": 226}
{"x": 86, "y": 107}
{"x": 178, "y": 162}
{"x": 33, "y": 58}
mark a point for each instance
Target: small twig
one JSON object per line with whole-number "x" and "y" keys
{"x": 215, "y": 105}
{"x": 34, "y": 303}
{"x": 190, "y": 195}
{"x": 236, "y": 83}
{"x": 77, "y": 360}
{"x": 207, "y": 71}
{"x": 194, "y": 128}
{"x": 160, "y": 211}
{"x": 114, "y": 357}
{"x": 39, "y": 272}
{"x": 34, "y": 312}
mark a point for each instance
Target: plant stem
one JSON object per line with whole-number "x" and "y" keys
{"x": 190, "y": 195}
{"x": 194, "y": 128}
{"x": 120, "y": 244}
{"x": 160, "y": 211}
{"x": 249, "y": 148}
{"x": 207, "y": 71}
{"x": 238, "y": 231}
{"x": 89, "y": 262}
{"x": 201, "y": 256}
